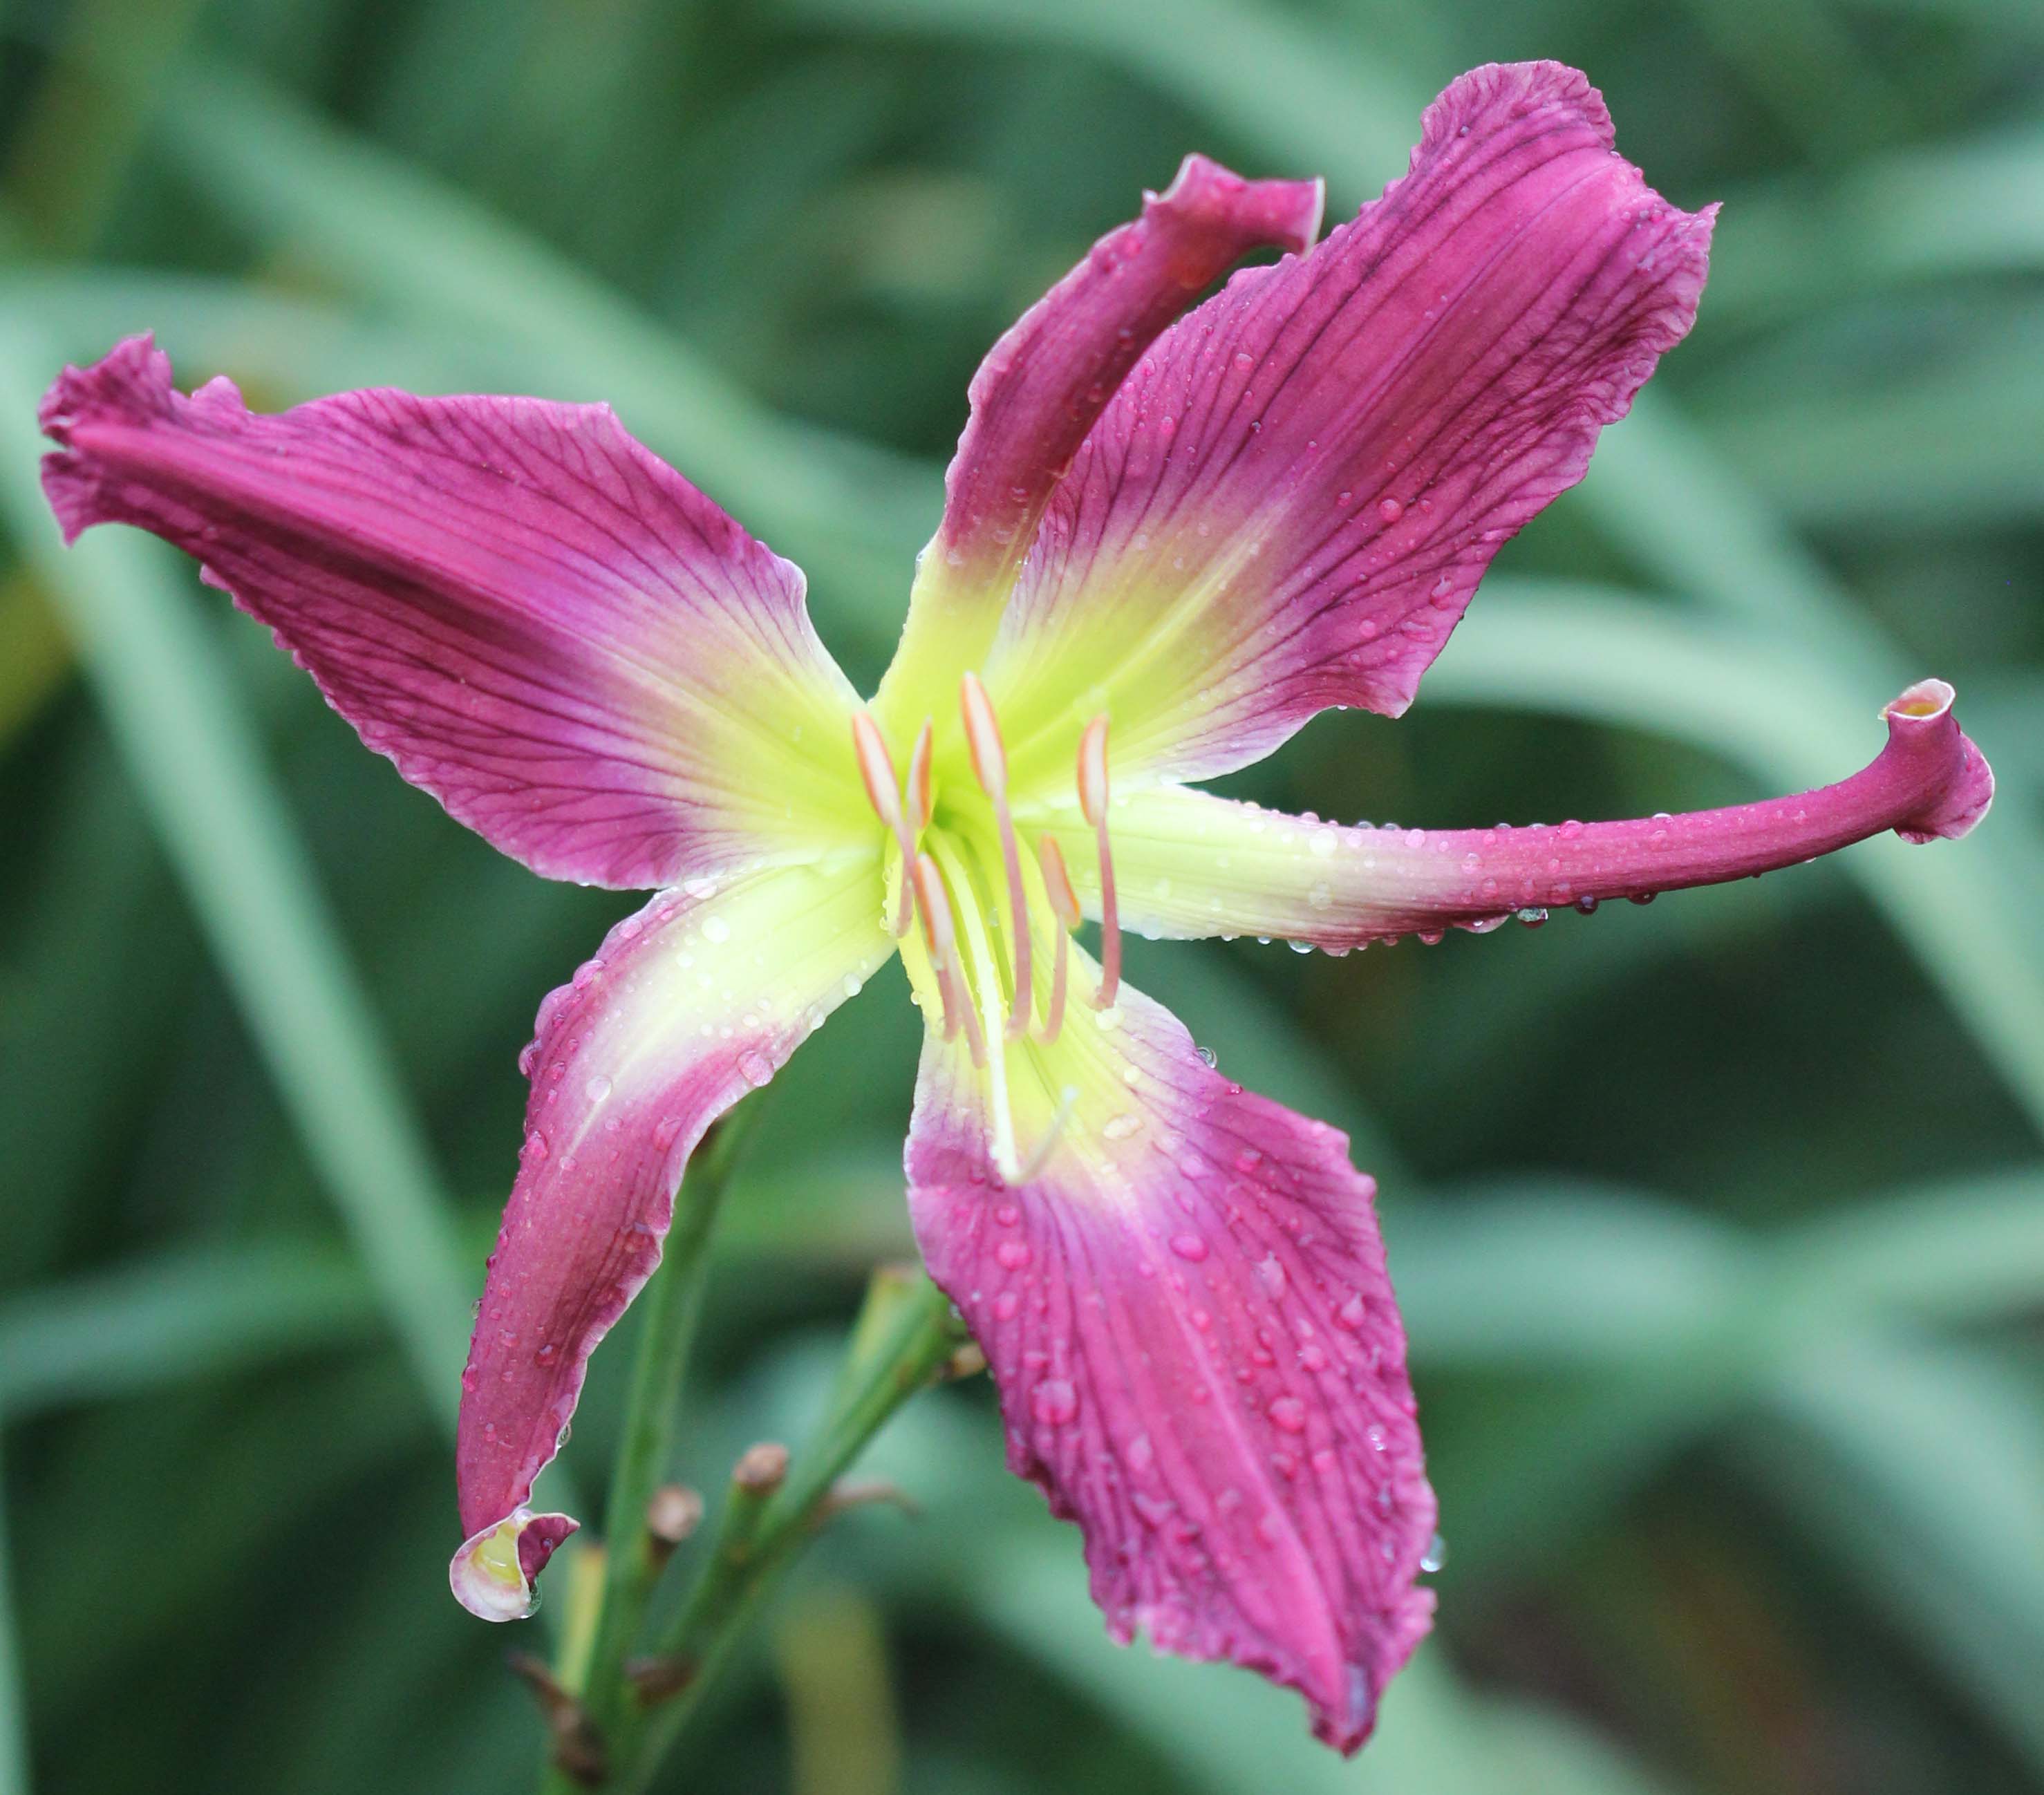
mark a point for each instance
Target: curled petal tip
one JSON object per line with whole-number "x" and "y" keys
{"x": 494, "y": 1574}
{"x": 1286, "y": 214}
{"x": 1926, "y": 699}
{"x": 1920, "y": 724}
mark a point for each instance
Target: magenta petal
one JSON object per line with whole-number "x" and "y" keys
{"x": 536, "y": 619}
{"x": 1199, "y": 1360}
{"x": 1189, "y": 863}
{"x": 1041, "y": 386}
{"x": 1289, "y": 502}
{"x": 689, "y": 1004}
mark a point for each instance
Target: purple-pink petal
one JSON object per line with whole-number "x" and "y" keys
{"x": 1289, "y": 502}
{"x": 690, "y": 1004}
{"x": 536, "y": 619}
{"x": 1193, "y": 864}
{"x": 1040, "y": 387}
{"x": 1199, "y": 1360}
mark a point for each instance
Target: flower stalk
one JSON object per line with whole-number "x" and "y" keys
{"x": 633, "y": 1552}
{"x": 904, "y": 1340}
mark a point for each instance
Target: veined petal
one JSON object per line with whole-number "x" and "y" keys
{"x": 536, "y": 618}
{"x": 1189, "y": 863}
{"x": 1199, "y": 1355}
{"x": 1288, "y": 503}
{"x": 1044, "y": 382}
{"x": 693, "y": 1002}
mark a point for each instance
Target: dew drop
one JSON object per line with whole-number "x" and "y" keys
{"x": 597, "y": 1089}
{"x": 1188, "y": 1247}
{"x": 1054, "y": 1402}
{"x": 1435, "y": 1555}
{"x": 1011, "y": 1255}
{"x": 1152, "y": 1511}
{"x": 1288, "y": 1414}
{"x": 755, "y": 1068}
{"x": 716, "y": 930}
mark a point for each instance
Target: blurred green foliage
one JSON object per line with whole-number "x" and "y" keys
{"x": 1719, "y": 1224}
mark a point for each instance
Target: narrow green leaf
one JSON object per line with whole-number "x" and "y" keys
{"x": 180, "y": 726}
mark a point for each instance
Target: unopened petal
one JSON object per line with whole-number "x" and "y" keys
{"x": 1184, "y": 1302}
{"x": 536, "y": 619}
{"x": 1193, "y": 864}
{"x": 1288, "y": 504}
{"x": 1044, "y": 382}
{"x": 691, "y": 1004}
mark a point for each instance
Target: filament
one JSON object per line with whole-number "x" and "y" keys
{"x": 989, "y": 765}
{"x": 1092, "y": 802}
{"x": 876, "y": 769}
{"x": 1065, "y": 905}
{"x": 941, "y": 940}
{"x": 919, "y": 802}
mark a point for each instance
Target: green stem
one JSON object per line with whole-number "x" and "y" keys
{"x": 669, "y": 1308}
{"x": 904, "y": 1335}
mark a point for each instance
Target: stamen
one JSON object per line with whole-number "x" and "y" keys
{"x": 941, "y": 940}
{"x": 1065, "y": 905}
{"x": 1093, "y": 801}
{"x": 876, "y": 768}
{"x": 1040, "y": 1155}
{"x": 989, "y": 765}
{"x": 919, "y": 803}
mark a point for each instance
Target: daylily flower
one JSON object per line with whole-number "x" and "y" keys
{"x": 1167, "y": 543}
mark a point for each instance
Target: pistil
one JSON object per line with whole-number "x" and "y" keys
{"x": 1092, "y": 802}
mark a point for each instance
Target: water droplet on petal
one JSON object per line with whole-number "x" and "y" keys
{"x": 1054, "y": 1402}
{"x": 755, "y": 1068}
{"x": 1288, "y": 1414}
{"x": 1188, "y": 1247}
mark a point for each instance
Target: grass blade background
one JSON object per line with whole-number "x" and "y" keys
{"x": 1718, "y": 1222}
